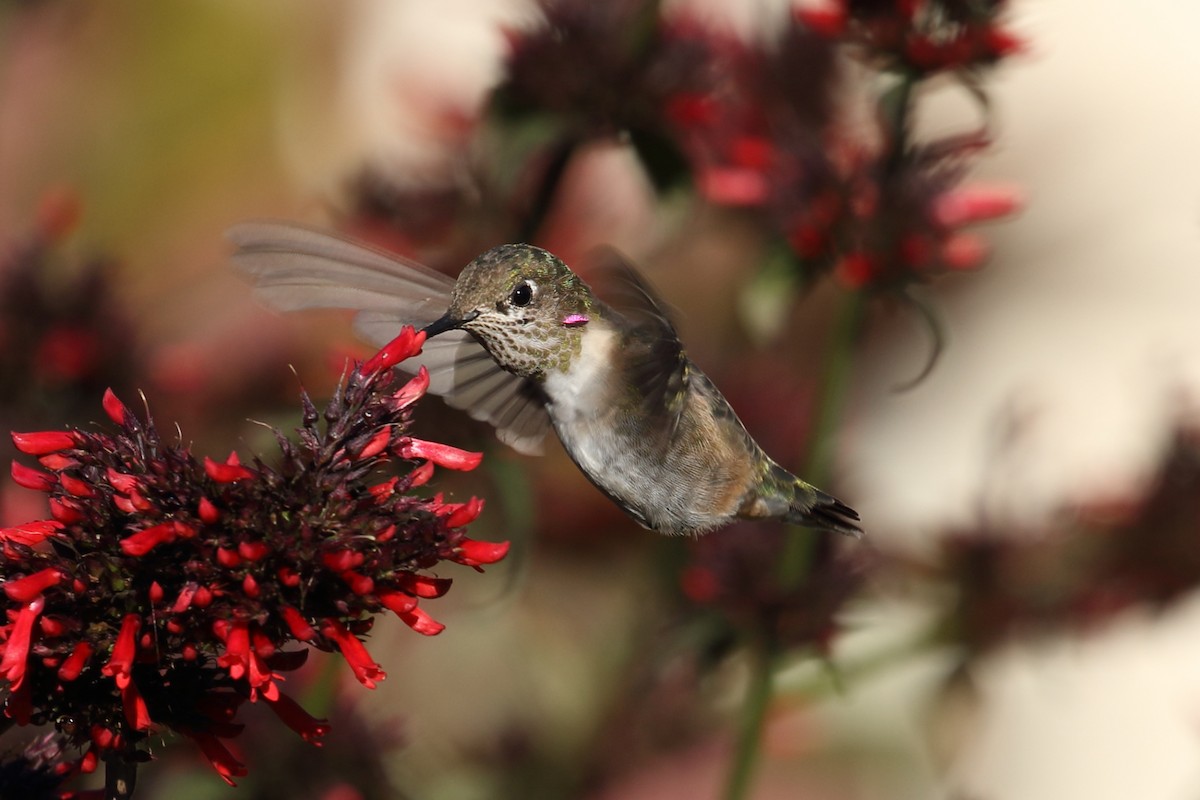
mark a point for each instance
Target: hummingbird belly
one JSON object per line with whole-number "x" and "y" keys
{"x": 668, "y": 481}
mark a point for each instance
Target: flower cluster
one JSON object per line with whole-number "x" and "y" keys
{"x": 164, "y": 590}
{"x": 737, "y": 575}
{"x": 1087, "y": 568}
{"x": 882, "y": 211}
{"x": 63, "y": 338}
{"x": 921, "y": 36}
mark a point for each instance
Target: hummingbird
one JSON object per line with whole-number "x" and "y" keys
{"x": 522, "y": 342}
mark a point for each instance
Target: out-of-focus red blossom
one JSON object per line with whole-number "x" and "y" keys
{"x": 931, "y": 35}
{"x": 880, "y": 210}
{"x": 63, "y": 331}
{"x": 737, "y": 575}
{"x": 167, "y": 590}
{"x": 1082, "y": 569}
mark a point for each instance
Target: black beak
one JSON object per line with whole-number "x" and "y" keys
{"x": 446, "y": 323}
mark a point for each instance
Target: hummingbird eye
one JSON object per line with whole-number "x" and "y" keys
{"x": 522, "y": 295}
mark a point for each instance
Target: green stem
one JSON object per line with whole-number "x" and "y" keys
{"x": 835, "y": 382}
{"x": 754, "y": 713}
{"x": 796, "y": 558}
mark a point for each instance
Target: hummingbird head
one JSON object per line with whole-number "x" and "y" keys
{"x": 524, "y": 305}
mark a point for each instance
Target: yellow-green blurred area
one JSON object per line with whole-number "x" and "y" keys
{"x": 578, "y": 667}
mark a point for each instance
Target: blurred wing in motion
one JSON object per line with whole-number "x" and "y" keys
{"x": 657, "y": 364}
{"x": 294, "y": 268}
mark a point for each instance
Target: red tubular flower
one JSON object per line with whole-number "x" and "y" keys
{"x": 441, "y": 454}
{"x": 30, "y": 532}
{"x": 219, "y": 756}
{"x": 25, "y": 589}
{"x": 16, "y": 646}
{"x": 43, "y": 442}
{"x": 297, "y": 624}
{"x": 311, "y": 729}
{"x": 142, "y": 542}
{"x": 364, "y": 667}
{"x": 406, "y": 345}
{"x": 134, "y": 705}
{"x": 120, "y": 664}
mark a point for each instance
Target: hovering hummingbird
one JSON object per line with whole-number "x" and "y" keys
{"x": 520, "y": 341}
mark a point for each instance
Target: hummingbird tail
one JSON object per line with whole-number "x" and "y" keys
{"x": 813, "y": 508}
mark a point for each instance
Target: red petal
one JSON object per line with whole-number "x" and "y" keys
{"x": 222, "y": 760}
{"x": 226, "y": 473}
{"x": 114, "y": 407}
{"x": 425, "y": 586}
{"x": 406, "y": 345}
{"x": 359, "y": 584}
{"x": 32, "y": 478}
{"x": 76, "y": 486}
{"x": 441, "y": 454}
{"x": 291, "y": 714}
{"x": 464, "y": 513}
{"x": 121, "y": 661}
{"x": 22, "y": 590}
{"x": 43, "y": 442}
{"x": 121, "y": 481}
{"x": 297, "y": 624}
{"x": 75, "y": 662}
{"x": 253, "y": 551}
{"x": 412, "y": 391}
{"x": 397, "y": 602}
{"x": 473, "y": 553}
{"x": 355, "y": 653}
{"x": 420, "y": 475}
{"x": 829, "y": 22}
{"x": 16, "y": 647}
{"x": 135, "y": 707}
{"x": 142, "y": 542}
{"x": 30, "y": 532}
{"x": 377, "y": 445}
{"x": 65, "y": 511}
{"x": 207, "y": 511}
{"x": 421, "y": 622}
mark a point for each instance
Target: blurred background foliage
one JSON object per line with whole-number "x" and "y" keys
{"x": 794, "y": 180}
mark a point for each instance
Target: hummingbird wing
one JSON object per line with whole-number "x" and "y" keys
{"x": 293, "y": 268}
{"x": 658, "y": 366}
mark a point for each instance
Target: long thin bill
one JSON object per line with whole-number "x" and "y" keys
{"x": 441, "y": 325}
{"x": 447, "y": 323}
